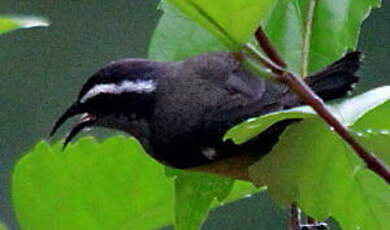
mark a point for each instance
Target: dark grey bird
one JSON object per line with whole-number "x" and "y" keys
{"x": 180, "y": 111}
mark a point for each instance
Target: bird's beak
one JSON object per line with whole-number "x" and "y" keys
{"x": 70, "y": 112}
{"x": 85, "y": 121}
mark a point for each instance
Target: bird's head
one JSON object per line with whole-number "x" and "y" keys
{"x": 120, "y": 96}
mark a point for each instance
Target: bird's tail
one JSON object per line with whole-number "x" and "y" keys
{"x": 337, "y": 79}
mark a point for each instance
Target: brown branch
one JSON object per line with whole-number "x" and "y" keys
{"x": 271, "y": 52}
{"x": 307, "y": 95}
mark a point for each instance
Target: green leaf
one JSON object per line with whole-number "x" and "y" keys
{"x": 285, "y": 29}
{"x": 374, "y": 132}
{"x": 376, "y": 140}
{"x": 370, "y": 119}
{"x": 111, "y": 185}
{"x": 254, "y": 126}
{"x": 197, "y": 193}
{"x": 177, "y": 37}
{"x": 348, "y": 112}
{"x": 312, "y": 166}
{"x": 233, "y": 22}
{"x": 239, "y": 190}
{"x": 194, "y": 194}
{"x": 334, "y": 30}
{"x": 353, "y": 109}
{"x": 9, "y": 23}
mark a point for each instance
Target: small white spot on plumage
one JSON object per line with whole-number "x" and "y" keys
{"x": 140, "y": 86}
{"x": 210, "y": 153}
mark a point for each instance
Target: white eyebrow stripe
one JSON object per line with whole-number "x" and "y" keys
{"x": 144, "y": 86}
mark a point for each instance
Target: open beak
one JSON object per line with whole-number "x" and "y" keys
{"x": 85, "y": 121}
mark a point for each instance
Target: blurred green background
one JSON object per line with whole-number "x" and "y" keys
{"x": 42, "y": 69}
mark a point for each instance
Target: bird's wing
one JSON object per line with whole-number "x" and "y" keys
{"x": 224, "y": 71}
{"x": 247, "y": 95}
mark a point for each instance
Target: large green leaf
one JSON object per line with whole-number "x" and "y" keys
{"x": 233, "y": 22}
{"x": 9, "y": 23}
{"x": 312, "y": 166}
{"x": 333, "y": 30}
{"x": 111, "y": 185}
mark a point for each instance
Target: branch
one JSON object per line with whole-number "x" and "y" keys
{"x": 308, "y": 96}
{"x": 271, "y": 52}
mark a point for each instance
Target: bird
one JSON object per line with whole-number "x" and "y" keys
{"x": 180, "y": 111}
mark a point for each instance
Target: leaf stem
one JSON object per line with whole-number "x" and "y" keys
{"x": 307, "y": 37}
{"x": 308, "y": 96}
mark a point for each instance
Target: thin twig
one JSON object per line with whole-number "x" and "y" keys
{"x": 308, "y": 96}
{"x": 269, "y": 49}
{"x": 307, "y": 37}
